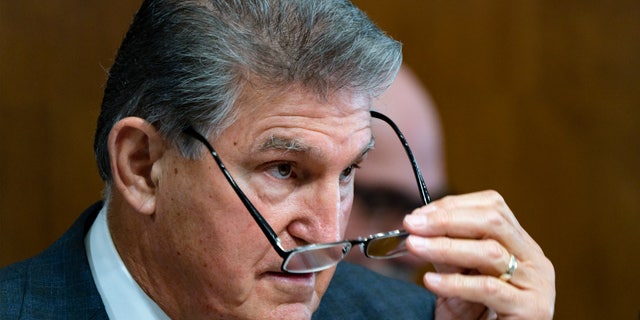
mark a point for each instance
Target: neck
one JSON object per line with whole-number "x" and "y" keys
{"x": 133, "y": 236}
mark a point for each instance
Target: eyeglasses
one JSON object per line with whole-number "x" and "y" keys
{"x": 320, "y": 256}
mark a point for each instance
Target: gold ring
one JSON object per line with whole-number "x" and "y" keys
{"x": 513, "y": 265}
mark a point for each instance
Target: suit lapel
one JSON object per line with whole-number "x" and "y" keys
{"x": 59, "y": 280}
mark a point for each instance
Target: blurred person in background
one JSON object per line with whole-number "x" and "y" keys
{"x": 384, "y": 191}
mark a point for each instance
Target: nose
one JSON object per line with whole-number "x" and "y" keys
{"x": 322, "y": 213}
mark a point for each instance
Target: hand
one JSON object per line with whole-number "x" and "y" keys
{"x": 470, "y": 239}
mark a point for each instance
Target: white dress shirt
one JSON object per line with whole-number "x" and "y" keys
{"x": 121, "y": 295}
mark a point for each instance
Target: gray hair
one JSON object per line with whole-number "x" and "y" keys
{"x": 185, "y": 62}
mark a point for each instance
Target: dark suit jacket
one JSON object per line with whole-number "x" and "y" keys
{"x": 57, "y": 284}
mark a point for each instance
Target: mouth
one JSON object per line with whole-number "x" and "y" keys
{"x": 291, "y": 289}
{"x": 301, "y": 286}
{"x": 292, "y": 277}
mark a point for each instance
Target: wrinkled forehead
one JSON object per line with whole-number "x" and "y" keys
{"x": 293, "y": 117}
{"x": 295, "y": 105}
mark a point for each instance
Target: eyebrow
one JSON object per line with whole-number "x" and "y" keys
{"x": 283, "y": 143}
{"x": 288, "y": 144}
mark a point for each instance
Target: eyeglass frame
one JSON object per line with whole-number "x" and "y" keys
{"x": 272, "y": 236}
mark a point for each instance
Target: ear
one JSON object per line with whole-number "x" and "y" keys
{"x": 135, "y": 148}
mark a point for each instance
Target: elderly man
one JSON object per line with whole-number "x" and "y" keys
{"x": 228, "y": 140}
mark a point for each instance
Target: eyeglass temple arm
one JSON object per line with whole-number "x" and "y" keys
{"x": 262, "y": 222}
{"x": 424, "y": 193}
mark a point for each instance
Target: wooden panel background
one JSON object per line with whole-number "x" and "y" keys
{"x": 539, "y": 100}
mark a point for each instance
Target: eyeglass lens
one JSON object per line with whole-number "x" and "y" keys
{"x": 387, "y": 246}
{"x": 315, "y": 258}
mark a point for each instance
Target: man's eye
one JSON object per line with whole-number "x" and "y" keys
{"x": 282, "y": 171}
{"x": 348, "y": 172}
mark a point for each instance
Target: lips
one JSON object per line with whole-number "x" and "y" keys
{"x": 295, "y": 286}
{"x": 293, "y": 277}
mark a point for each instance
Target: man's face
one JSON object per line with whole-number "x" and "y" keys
{"x": 292, "y": 155}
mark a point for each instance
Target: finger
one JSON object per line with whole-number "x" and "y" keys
{"x": 482, "y": 215}
{"x": 444, "y": 217}
{"x": 487, "y": 256}
{"x": 507, "y": 301}
{"x": 455, "y": 308}
{"x": 489, "y": 291}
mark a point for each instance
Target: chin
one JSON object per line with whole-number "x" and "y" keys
{"x": 296, "y": 311}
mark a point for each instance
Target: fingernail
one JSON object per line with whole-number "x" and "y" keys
{"x": 416, "y": 221}
{"x": 433, "y": 278}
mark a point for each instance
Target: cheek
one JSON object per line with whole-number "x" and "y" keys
{"x": 208, "y": 227}
{"x": 199, "y": 228}
{"x": 206, "y": 249}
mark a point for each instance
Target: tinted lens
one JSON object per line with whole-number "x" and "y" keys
{"x": 315, "y": 257}
{"x": 387, "y": 246}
